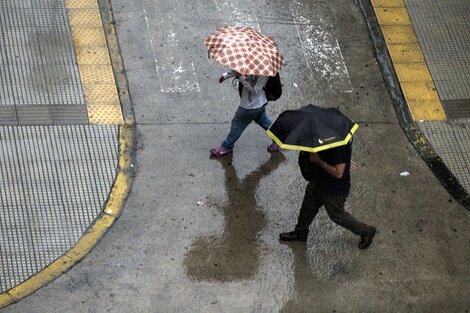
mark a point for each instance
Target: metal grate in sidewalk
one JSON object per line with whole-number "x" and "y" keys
{"x": 54, "y": 182}
{"x": 451, "y": 141}
{"x": 39, "y": 77}
{"x": 443, "y": 30}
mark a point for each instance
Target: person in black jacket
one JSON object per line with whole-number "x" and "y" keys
{"x": 328, "y": 173}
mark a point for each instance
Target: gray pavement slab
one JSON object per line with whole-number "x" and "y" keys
{"x": 201, "y": 235}
{"x": 56, "y": 171}
{"x": 443, "y": 30}
{"x": 451, "y": 140}
{"x": 54, "y": 182}
{"x": 40, "y": 83}
{"x": 443, "y": 33}
{"x": 168, "y": 254}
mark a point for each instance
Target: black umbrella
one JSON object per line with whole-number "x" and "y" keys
{"x": 312, "y": 129}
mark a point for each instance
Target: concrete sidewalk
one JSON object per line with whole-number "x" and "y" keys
{"x": 200, "y": 235}
{"x": 423, "y": 47}
{"x": 64, "y": 138}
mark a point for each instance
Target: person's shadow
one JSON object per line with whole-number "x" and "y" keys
{"x": 305, "y": 280}
{"x": 233, "y": 255}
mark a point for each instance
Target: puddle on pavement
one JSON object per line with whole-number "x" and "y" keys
{"x": 233, "y": 255}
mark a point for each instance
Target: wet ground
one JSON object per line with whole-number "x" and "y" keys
{"x": 201, "y": 235}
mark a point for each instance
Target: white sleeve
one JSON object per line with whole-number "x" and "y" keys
{"x": 228, "y": 74}
{"x": 259, "y": 85}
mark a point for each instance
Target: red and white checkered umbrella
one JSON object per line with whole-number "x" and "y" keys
{"x": 245, "y": 50}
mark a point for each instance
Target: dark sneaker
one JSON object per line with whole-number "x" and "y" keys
{"x": 273, "y": 147}
{"x": 220, "y": 151}
{"x": 293, "y": 236}
{"x": 366, "y": 240}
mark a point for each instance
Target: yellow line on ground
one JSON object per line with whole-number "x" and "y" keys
{"x": 408, "y": 60}
{"x": 387, "y": 3}
{"x": 91, "y": 51}
{"x": 405, "y": 52}
{"x": 96, "y": 74}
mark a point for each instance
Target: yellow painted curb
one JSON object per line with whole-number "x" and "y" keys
{"x": 405, "y": 52}
{"x": 412, "y": 72}
{"x": 97, "y": 74}
{"x": 91, "y": 50}
{"x": 398, "y": 34}
{"x": 408, "y": 60}
{"x": 392, "y": 16}
{"x": 387, "y": 3}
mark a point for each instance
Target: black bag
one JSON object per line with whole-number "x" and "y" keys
{"x": 273, "y": 88}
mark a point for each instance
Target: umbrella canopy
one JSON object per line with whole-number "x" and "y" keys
{"x": 312, "y": 129}
{"x": 245, "y": 50}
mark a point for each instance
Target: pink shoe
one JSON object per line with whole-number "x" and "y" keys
{"x": 273, "y": 147}
{"x": 220, "y": 151}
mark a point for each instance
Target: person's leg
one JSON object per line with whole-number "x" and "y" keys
{"x": 334, "y": 206}
{"x": 240, "y": 121}
{"x": 309, "y": 209}
{"x": 311, "y": 204}
{"x": 265, "y": 121}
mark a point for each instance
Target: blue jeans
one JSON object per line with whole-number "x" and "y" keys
{"x": 243, "y": 117}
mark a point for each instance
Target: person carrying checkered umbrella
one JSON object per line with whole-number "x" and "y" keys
{"x": 252, "y": 58}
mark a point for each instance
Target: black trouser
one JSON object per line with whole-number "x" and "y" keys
{"x": 334, "y": 204}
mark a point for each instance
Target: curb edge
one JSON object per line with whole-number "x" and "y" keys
{"x": 411, "y": 129}
{"x": 119, "y": 191}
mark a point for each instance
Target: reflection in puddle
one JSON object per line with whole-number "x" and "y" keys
{"x": 304, "y": 279}
{"x": 233, "y": 255}
{"x": 321, "y": 260}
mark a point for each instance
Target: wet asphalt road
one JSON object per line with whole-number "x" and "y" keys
{"x": 201, "y": 235}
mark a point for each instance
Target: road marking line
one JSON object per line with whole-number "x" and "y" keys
{"x": 217, "y": 5}
{"x": 175, "y": 75}
{"x": 321, "y": 49}
{"x": 237, "y": 16}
